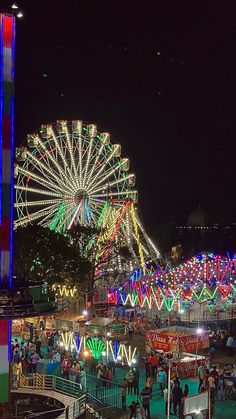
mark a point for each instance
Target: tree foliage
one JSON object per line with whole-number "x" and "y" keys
{"x": 42, "y": 254}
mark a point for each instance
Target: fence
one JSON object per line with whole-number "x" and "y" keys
{"x": 107, "y": 392}
{"x": 75, "y": 409}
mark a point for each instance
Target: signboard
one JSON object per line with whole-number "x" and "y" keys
{"x": 196, "y": 404}
{"x": 174, "y": 343}
{"x": 118, "y": 329}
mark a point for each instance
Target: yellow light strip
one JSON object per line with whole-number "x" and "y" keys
{"x": 138, "y": 238}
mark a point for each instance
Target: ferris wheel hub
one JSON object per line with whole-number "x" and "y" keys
{"x": 81, "y": 194}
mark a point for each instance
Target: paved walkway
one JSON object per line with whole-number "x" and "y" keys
{"x": 223, "y": 409}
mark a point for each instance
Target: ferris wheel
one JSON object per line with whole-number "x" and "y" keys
{"x": 68, "y": 174}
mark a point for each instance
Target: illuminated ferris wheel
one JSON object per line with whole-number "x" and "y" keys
{"x": 70, "y": 174}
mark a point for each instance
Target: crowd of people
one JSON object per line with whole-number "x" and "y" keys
{"x": 218, "y": 383}
{"x": 222, "y": 340}
{"x": 143, "y": 410}
{"x": 44, "y": 345}
{"x": 156, "y": 384}
{"x": 25, "y": 356}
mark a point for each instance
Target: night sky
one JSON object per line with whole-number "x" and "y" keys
{"x": 159, "y": 78}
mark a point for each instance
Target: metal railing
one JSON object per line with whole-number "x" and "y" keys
{"x": 37, "y": 382}
{"x": 101, "y": 393}
{"x": 50, "y": 382}
{"x": 108, "y": 393}
{"x": 67, "y": 387}
{"x": 75, "y": 409}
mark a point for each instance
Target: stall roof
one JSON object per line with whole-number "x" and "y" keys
{"x": 100, "y": 321}
{"x": 177, "y": 329}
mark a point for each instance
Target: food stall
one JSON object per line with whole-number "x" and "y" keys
{"x": 183, "y": 342}
{"x": 21, "y": 326}
{"x": 105, "y": 326}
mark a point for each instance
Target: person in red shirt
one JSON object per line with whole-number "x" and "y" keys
{"x": 214, "y": 372}
{"x": 154, "y": 364}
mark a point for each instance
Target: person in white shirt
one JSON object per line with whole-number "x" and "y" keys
{"x": 165, "y": 395}
{"x": 229, "y": 345}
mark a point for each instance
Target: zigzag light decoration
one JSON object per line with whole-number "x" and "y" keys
{"x": 98, "y": 347}
{"x": 204, "y": 278}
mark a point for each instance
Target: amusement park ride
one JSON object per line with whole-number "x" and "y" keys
{"x": 69, "y": 174}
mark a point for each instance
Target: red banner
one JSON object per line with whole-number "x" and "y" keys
{"x": 173, "y": 343}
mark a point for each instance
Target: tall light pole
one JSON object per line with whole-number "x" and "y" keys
{"x": 199, "y": 332}
{"x": 169, "y": 389}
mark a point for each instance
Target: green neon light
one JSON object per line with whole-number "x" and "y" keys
{"x": 96, "y": 346}
{"x": 168, "y": 303}
{"x": 57, "y": 217}
{"x": 102, "y": 214}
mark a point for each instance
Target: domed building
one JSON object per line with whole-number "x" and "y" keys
{"x": 197, "y": 218}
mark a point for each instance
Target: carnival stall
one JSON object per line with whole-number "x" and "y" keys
{"x": 183, "y": 342}
{"x": 20, "y": 327}
{"x": 105, "y": 326}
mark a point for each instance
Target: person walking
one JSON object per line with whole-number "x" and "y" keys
{"x": 124, "y": 386}
{"x": 154, "y": 364}
{"x": 149, "y": 382}
{"x": 177, "y": 395}
{"x": 109, "y": 376}
{"x": 16, "y": 373}
{"x": 186, "y": 390}
{"x": 139, "y": 412}
{"x": 38, "y": 344}
{"x": 221, "y": 388}
{"x": 73, "y": 372}
{"x": 201, "y": 374}
{"x": 165, "y": 395}
{"x": 162, "y": 379}
{"x": 136, "y": 381}
{"x": 130, "y": 380}
{"x": 130, "y": 329}
{"x": 65, "y": 367}
{"x": 229, "y": 345}
{"x": 31, "y": 331}
{"x": 147, "y": 367}
{"x": 43, "y": 337}
{"x": 146, "y": 398}
{"x": 132, "y": 410}
{"x": 33, "y": 360}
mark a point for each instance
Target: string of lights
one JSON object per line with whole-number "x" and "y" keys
{"x": 204, "y": 278}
